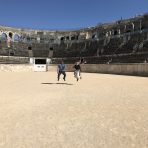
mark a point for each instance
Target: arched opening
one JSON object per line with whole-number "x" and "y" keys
{"x": 62, "y": 38}
{"x": 28, "y": 39}
{"x": 67, "y": 38}
{"x": 10, "y": 34}
{"x": 30, "y": 52}
{"x": 77, "y": 37}
{"x": 143, "y": 27}
{"x": 127, "y": 31}
{"x": 51, "y": 48}
{"x": 73, "y": 38}
{"x": 50, "y": 52}
{"x": 115, "y": 32}
{"x": 16, "y": 38}
{"x": 4, "y": 36}
{"x": 11, "y": 53}
{"x": 29, "y": 48}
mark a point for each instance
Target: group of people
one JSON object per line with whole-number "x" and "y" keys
{"x": 61, "y": 70}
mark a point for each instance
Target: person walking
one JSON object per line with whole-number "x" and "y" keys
{"x": 61, "y": 70}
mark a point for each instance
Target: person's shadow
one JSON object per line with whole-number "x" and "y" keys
{"x": 57, "y": 83}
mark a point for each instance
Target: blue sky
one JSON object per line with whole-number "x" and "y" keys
{"x": 67, "y": 14}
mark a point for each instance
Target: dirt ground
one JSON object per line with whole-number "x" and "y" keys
{"x": 99, "y": 111}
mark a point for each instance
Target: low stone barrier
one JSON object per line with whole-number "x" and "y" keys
{"x": 16, "y": 67}
{"x": 122, "y": 69}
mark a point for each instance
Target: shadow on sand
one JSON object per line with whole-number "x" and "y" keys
{"x": 58, "y": 83}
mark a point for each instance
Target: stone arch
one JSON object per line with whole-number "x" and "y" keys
{"x": 1, "y": 33}
{"x": 4, "y": 36}
{"x": 29, "y": 47}
{"x": 16, "y": 37}
{"x": 62, "y": 38}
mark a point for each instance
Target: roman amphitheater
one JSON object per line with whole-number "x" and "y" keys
{"x": 107, "y": 108}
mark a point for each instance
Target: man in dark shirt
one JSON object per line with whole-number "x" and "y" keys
{"x": 61, "y": 70}
{"x": 77, "y": 71}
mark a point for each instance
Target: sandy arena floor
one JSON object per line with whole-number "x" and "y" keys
{"x": 100, "y": 111}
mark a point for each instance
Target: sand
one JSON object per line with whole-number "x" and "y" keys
{"x": 99, "y": 111}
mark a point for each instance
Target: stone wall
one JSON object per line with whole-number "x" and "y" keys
{"x": 120, "y": 37}
{"x": 16, "y": 68}
{"x": 123, "y": 69}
